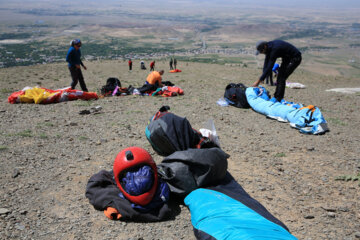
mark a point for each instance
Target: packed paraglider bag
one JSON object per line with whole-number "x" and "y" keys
{"x": 168, "y": 133}
{"x": 235, "y": 95}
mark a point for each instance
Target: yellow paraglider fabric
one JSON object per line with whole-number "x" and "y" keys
{"x": 35, "y": 95}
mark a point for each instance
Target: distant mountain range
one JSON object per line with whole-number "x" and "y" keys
{"x": 305, "y": 4}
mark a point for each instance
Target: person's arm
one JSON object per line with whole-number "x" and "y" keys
{"x": 81, "y": 63}
{"x": 268, "y": 64}
{"x": 256, "y": 83}
{"x": 70, "y": 57}
{"x": 159, "y": 81}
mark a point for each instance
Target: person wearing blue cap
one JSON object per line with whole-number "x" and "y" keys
{"x": 73, "y": 58}
{"x": 291, "y": 59}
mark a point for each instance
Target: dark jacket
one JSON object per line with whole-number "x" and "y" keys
{"x": 73, "y": 57}
{"x": 278, "y": 49}
{"x": 185, "y": 171}
{"x": 103, "y": 192}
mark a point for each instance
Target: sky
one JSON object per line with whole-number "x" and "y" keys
{"x": 289, "y": 3}
{"x": 310, "y": 4}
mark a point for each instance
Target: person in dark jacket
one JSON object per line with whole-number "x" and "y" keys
{"x": 291, "y": 59}
{"x": 73, "y": 58}
{"x": 171, "y": 64}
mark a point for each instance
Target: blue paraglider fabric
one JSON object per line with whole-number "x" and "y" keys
{"x": 307, "y": 120}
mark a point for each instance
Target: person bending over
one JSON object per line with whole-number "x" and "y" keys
{"x": 153, "y": 81}
{"x": 291, "y": 59}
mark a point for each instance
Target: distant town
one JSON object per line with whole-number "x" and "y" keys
{"x": 15, "y": 53}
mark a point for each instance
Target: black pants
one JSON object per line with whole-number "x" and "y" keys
{"x": 77, "y": 76}
{"x": 269, "y": 78}
{"x": 147, "y": 87}
{"x": 130, "y": 67}
{"x": 285, "y": 70}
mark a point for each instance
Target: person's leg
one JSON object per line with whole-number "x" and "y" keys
{"x": 293, "y": 64}
{"x": 281, "y": 82}
{"x": 267, "y": 79}
{"x": 81, "y": 81}
{"x": 285, "y": 70}
{"x": 271, "y": 79}
{"x": 146, "y": 88}
{"x": 74, "y": 77}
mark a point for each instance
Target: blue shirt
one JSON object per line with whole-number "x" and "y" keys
{"x": 278, "y": 49}
{"x": 73, "y": 57}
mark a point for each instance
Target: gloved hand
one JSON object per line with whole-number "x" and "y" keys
{"x": 112, "y": 213}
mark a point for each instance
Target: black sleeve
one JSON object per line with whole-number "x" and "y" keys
{"x": 268, "y": 64}
{"x": 102, "y": 192}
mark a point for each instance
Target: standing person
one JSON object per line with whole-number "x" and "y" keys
{"x": 291, "y": 59}
{"x": 152, "y": 65}
{"x": 175, "y": 62}
{"x": 171, "y": 64}
{"x": 130, "y": 64}
{"x": 73, "y": 58}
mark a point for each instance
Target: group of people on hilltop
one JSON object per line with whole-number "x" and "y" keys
{"x": 290, "y": 55}
{"x": 172, "y": 63}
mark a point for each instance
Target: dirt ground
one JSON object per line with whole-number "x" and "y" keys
{"x": 48, "y": 152}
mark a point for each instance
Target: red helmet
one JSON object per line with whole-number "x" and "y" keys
{"x": 135, "y": 157}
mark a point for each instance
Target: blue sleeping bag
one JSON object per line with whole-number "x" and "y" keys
{"x": 220, "y": 208}
{"x": 226, "y": 211}
{"x": 307, "y": 119}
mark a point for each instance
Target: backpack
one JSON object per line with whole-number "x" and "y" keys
{"x": 111, "y": 84}
{"x": 235, "y": 95}
{"x": 168, "y": 133}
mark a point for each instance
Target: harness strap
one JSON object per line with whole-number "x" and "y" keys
{"x": 312, "y": 110}
{"x": 310, "y": 107}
